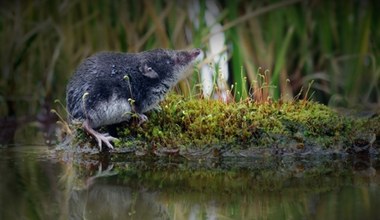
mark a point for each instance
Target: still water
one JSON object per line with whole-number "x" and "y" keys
{"x": 40, "y": 183}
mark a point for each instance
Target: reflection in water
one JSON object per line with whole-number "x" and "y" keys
{"x": 37, "y": 185}
{"x": 107, "y": 201}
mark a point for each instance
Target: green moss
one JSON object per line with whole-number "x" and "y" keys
{"x": 187, "y": 124}
{"x": 203, "y": 122}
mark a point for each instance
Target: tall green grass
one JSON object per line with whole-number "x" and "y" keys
{"x": 276, "y": 47}
{"x": 332, "y": 43}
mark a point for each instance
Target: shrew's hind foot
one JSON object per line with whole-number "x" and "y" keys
{"x": 105, "y": 138}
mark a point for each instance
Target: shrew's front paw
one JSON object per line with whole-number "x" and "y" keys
{"x": 142, "y": 118}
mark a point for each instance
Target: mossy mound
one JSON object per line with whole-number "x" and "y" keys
{"x": 193, "y": 127}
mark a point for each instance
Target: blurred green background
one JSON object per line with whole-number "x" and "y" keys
{"x": 276, "y": 49}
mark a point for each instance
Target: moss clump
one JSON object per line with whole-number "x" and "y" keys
{"x": 198, "y": 125}
{"x": 194, "y": 127}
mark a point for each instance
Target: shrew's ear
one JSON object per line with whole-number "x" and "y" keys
{"x": 148, "y": 71}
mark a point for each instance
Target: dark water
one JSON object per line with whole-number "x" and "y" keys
{"x": 38, "y": 183}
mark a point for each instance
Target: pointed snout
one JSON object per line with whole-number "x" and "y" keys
{"x": 186, "y": 57}
{"x": 195, "y": 52}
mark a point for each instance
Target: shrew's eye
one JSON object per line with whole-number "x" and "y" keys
{"x": 169, "y": 62}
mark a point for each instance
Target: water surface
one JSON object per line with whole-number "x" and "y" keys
{"x": 38, "y": 183}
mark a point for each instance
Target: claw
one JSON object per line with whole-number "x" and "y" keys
{"x": 143, "y": 118}
{"x": 106, "y": 138}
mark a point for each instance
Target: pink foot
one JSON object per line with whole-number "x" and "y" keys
{"x": 142, "y": 118}
{"x": 106, "y": 138}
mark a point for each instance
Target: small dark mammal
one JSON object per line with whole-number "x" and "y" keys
{"x": 108, "y": 87}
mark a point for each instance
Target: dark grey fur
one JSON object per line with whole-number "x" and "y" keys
{"x": 107, "y": 87}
